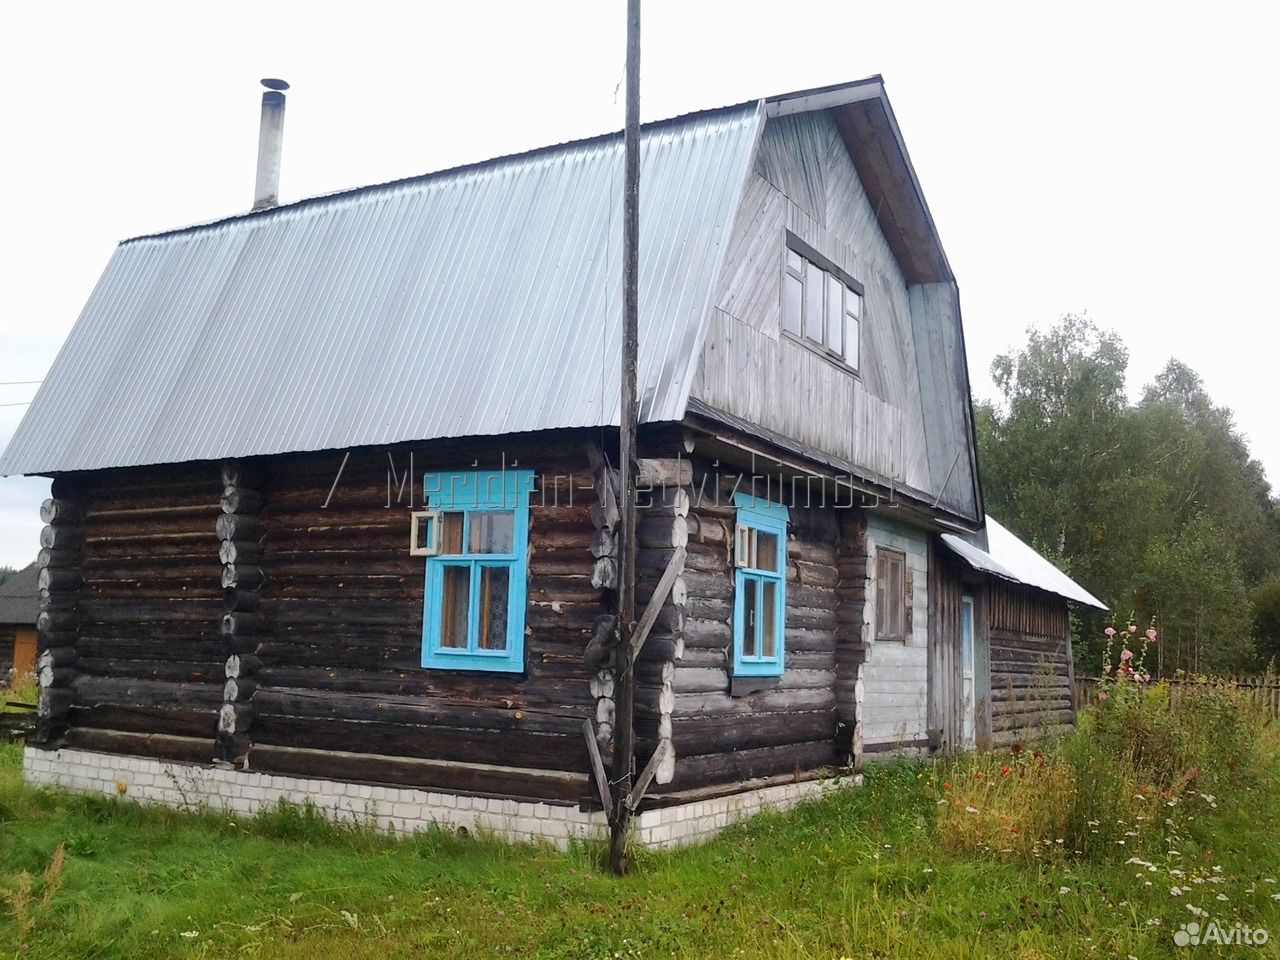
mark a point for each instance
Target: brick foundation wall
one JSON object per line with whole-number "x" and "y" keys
{"x": 394, "y": 809}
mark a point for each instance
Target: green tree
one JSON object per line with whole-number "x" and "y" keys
{"x": 1266, "y": 620}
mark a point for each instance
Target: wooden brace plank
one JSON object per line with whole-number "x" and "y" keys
{"x": 675, "y": 566}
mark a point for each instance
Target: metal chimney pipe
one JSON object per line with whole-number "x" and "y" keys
{"x": 266, "y": 193}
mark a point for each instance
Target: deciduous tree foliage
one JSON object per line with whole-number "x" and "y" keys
{"x": 1155, "y": 506}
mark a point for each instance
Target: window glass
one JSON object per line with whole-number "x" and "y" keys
{"x": 494, "y": 594}
{"x": 794, "y": 261}
{"x": 750, "y": 627}
{"x": 835, "y": 315}
{"x": 451, "y": 525}
{"x": 492, "y": 532}
{"x": 792, "y": 297}
{"x": 769, "y": 618}
{"x": 813, "y": 301}
{"x": 455, "y": 611}
{"x": 766, "y": 552}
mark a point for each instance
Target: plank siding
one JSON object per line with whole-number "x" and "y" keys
{"x": 895, "y": 675}
{"x": 903, "y": 417}
{"x": 1030, "y": 662}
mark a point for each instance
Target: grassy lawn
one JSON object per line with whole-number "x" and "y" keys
{"x": 862, "y": 873}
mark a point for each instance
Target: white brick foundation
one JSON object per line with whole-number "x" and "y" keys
{"x": 398, "y": 809}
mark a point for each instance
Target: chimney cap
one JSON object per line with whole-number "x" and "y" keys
{"x": 273, "y": 84}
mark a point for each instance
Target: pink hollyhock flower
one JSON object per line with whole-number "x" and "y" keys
{"x": 1110, "y": 631}
{"x": 1107, "y": 668}
{"x": 1126, "y": 654}
{"x": 1151, "y": 634}
{"x": 1103, "y": 695}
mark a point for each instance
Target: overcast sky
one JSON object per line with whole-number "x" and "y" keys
{"x": 1116, "y": 159}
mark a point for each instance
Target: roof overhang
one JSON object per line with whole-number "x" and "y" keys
{"x": 1011, "y": 559}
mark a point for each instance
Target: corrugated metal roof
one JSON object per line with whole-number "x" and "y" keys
{"x": 479, "y": 301}
{"x": 1009, "y": 558}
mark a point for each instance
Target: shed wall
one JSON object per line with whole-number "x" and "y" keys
{"x": 1030, "y": 659}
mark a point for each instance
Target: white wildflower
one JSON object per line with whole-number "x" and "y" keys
{"x": 1063, "y": 891}
{"x": 1196, "y": 910}
{"x": 970, "y": 810}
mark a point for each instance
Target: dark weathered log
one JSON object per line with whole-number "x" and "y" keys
{"x": 56, "y": 657}
{"x": 53, "y": 580}
{"x": 240, "y": 601}
{"x": 54, "y": 621}
{"x": 241, "y": 501}
{"x": 697, "y": 771}
{"x": 705, "y": 735}
{"x": 235, "y": 718}
{"x": 158, "y": 745}
{"x": 244, "y": 473}
{"x": 604, "y": 543}
{"x": 54, "y": 702}
{"x": 51, "y": 676}
{"x": 549, "y": 751}
{"x": 233, "y": 527}
{"x": 246, "y": 576}
{"x": 603, "y": 637}
{"x": 61, "y": 538}
{"x": 604, "y": 574}
{"x": 130, "y": 691}
{"x": 399, "y": 771}
{"x": 244, "y": 624}
{"x": 60, "y": 512}
{"x": 239, "y": 551}
{"x": 57, "y": 559}
{"x": 183, "y": 723}
{"x": 238, "y": 689}
{"x": 241, "y": 665}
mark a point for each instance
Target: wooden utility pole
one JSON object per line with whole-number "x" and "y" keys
{"x": 624, "y": 737}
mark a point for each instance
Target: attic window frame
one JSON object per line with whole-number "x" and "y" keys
{"x": 829, "y": 267}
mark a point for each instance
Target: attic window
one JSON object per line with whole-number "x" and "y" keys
{"x": 821, "y": 305}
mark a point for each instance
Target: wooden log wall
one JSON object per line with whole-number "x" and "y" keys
{"x": 59, "y": 584}
{"x": 852, "y": 632}
{"x": 148, "y": 672}
{"x": 340, "y": 686}
{"x": 240, "y": 534}
{"x": 776, "y": 726}
{"x": 1030, "y": 658}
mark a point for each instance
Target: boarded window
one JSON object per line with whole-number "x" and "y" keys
{"x": 893, "y": 595}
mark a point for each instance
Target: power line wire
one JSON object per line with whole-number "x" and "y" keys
{"x": 18, "y": 383}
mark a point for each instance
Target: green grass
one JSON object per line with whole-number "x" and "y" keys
{"x": 860, "y": 873}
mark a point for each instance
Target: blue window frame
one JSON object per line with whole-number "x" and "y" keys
{"x": 760, "y": 587}
{"x": 476, "y": 537}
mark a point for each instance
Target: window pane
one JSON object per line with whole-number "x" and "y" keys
{"x": 769, "y": 618}
{"x": 853, "y": 303}
{"x": 792, "y": 293}
{"x": 749, "y": 647}
{"x": 493, "y": 532}
{"x": 835, "y": 314}
{"x": 766, "y": 551}
{"x": 495, "y": 585}
{"x": 451, "y": 533}
{"x": 813, "y": 277}
{"x": 456, "y": 607}
{"x": 851, "y": 350}
{"x": 794, "y": 262}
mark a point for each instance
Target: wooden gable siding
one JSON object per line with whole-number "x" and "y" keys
{"x": 149, "y": 665}
{"x": 1030, "y": 661}
{"x": 904, "y": 416}
{"x": 764, "y": 727}
{"x": 805, "y": 182}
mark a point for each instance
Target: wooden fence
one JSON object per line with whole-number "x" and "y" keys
{"x": 1262, "y": 692}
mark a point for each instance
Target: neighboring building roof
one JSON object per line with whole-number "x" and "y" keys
{"x": 1009, "y": 558}
{"x": 478, "y": 301}
{"x": 19, "y": 602}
